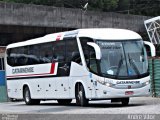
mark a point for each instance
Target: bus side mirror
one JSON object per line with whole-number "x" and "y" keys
{"x": 97, "y": 49}
{"x": 152, "y": 48}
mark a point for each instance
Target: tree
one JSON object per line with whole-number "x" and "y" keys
{"x": 103, "y": 5}
{"x": 123, "y": 5}
{"x": 110, "y": 5}
{"x": 145, "y": 7}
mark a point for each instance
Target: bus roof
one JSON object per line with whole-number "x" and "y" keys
{"x": 109, "y": 34}
{"x": 95, "y": 33}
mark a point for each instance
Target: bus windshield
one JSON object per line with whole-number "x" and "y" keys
{"x": 123, "y": 58}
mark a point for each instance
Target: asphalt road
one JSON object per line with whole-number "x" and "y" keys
{"x": 147, "y": 108}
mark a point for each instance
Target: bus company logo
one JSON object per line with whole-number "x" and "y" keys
{"x": 128, "y": 82}
{"x": 23, "y": 70}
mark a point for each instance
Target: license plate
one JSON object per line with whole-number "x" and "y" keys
{"x": 129, "y": 93}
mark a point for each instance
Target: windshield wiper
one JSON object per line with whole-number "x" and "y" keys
{"x": 119, "y": 66}
{"x": 133, "y": 65}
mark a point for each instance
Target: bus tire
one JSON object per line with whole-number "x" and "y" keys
{"x": 125, "y": 101}
{"x": 27, "y": 97}
{"x": 80, "y": 96}
{"x": 64, "y": 101}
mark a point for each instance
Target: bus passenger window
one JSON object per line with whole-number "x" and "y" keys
{"x": 76, "y": 57}
{"x": 58, "y": 51}
{"x": 10, "y": 59}
{"x": 33, "y": 55}
{"x": 72, "y": 51}
{"x": 89, "y": 54}
{"x": 46, "y": 52}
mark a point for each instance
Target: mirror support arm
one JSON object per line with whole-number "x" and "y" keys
{"x": 152, "y": 48}
{"x": 97, "y": 49}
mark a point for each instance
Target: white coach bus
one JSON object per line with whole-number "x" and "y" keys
{"x": 83, "y": 64}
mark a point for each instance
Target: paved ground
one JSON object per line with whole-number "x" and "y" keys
{"x": 138, "y": 106}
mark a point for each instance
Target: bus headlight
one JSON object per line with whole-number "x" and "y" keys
{"x": 147, "y": 83}
{"x": 105, "y": 83}
{"x": 109, "y": 84}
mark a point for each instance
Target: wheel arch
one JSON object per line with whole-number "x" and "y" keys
{"x": 24, "y": 86}
{"x": 80, "y": 83}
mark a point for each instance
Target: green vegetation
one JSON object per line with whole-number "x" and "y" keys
{"x": 138, "y": 7}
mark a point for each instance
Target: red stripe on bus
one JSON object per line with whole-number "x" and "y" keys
{"x": 52, "y": 68}
{"x": 51, "y": 72}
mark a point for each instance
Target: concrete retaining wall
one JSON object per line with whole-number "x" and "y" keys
{"x": 45, "y": 16}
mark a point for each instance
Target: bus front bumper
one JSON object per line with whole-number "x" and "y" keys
{"x": 108, "y": 92}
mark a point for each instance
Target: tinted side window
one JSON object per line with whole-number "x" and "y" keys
{"x": 37, "y": 54}
{"x": 72, "y": 51}
{"x": 10, "y": 60}
{"x": 46, "y": 52}
{"x": 26, "y": 55}
{"x": 17, "y": 56}
{"x": 34, "y": 54}
{"x": 89, "y": 54}
{"x": 22, "y": 55}
{"x": 58, "y": 51}
{"x": 86, "y": 48}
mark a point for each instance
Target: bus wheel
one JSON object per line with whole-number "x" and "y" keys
{"x": 64, "y": 101}
{"x": 80, "y": 96}
{"x": 27, "y": 97}
{"x": 125, "y": 101}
